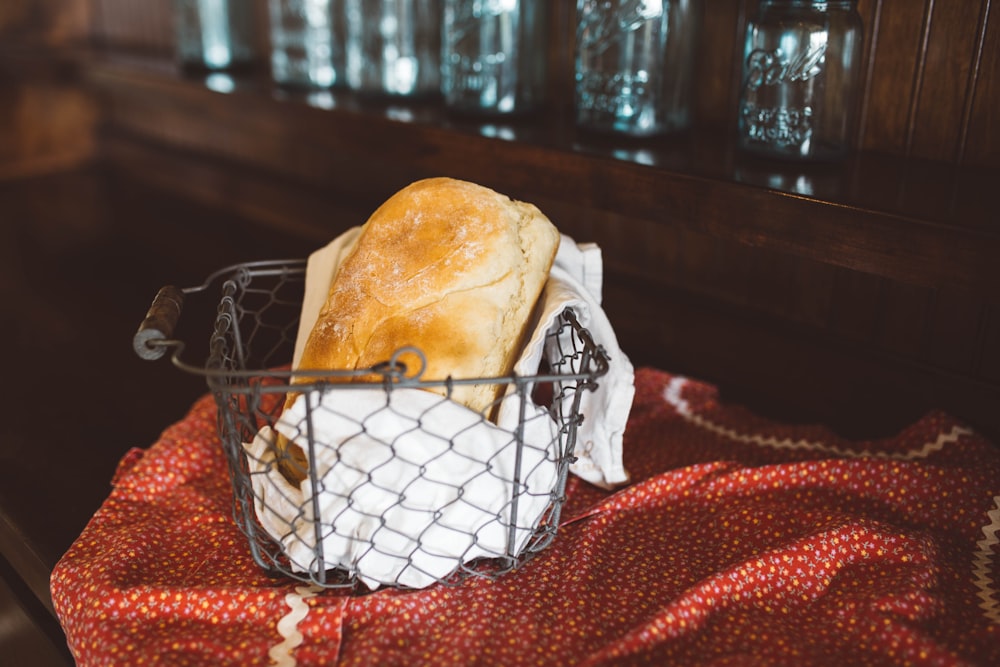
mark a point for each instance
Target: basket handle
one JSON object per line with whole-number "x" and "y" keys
{"x": 159, "y": 323}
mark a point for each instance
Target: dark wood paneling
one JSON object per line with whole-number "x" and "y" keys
{"x": 46, "y": 119}
{"x": 284, "y": 205}
{"x": 855, "y": 306}
{"x": 791, "y": 373}
{"x": 560, "y": 56}
{"x": 780, "y": 285}
{"x": 937, "y": 123}
{"x": 898, "y": 55}
{"x": 148, "y": 26}
{"x": 990, "y": 361}
{"x": 954, "y": 332}
{"x": 145, "y": 26}
{"x": 981, "y": 144}
{"x": 903, "y": 325}
{"x": 28, "y": 634}
{"x": 48, "y": 23}
{"x": 719, "y": 62}
{"x": 871, "y": 14}
{"x": 43, "y": 127}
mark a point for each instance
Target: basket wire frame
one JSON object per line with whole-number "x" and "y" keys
{"x": 248, "y": 374}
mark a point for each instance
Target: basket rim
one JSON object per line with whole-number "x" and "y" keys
{"x": 392, "y": 372}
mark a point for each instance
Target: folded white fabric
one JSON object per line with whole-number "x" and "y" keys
{"x": 575, "y": 281}
{"x": 425, "y": 486}
{"x": 412, "y": 485}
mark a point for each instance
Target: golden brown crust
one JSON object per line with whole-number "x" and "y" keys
{"x": 444, "y": 265}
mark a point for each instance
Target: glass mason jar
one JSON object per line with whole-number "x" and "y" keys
{"x": 493, "y": 55}
{"x": 392, "y": 47}
{"x": 635, "y": 64}
{"x": 303, "y": 52}
{"x": 214, "y": 34}
{"x": 801, "y": 73}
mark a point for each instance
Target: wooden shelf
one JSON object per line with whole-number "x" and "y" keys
{"x": 913, "y": 221}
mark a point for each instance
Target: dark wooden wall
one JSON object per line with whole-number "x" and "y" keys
{"x": 46, "y": 119}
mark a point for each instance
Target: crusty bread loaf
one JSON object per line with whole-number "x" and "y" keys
{"x": 447, "y": 266}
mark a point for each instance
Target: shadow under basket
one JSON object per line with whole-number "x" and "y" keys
{"x": 400, "y": 486}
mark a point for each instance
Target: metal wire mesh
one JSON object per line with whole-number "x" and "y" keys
{"x": 387, "y": 500}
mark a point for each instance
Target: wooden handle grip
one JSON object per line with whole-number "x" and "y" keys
{"x": 159, "y": 323}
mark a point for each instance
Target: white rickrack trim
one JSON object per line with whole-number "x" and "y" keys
{"x": 672, "y": 395}
{"x": 281, "y": 653}
{"x": 982, "y": 565}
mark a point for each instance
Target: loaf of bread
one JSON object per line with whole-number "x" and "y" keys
{"x": 446, "y": 266}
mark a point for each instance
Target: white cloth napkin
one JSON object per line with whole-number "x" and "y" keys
{"x": 576, "y": 282}
{"x": 454, "y": 469}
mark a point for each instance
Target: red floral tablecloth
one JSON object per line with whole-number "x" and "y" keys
{"x": 740, "y": 541}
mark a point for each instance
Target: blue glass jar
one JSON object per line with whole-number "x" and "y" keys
{"x": 635, "y": 64}
{"x": 801, "y": 75}
{"x": 303, "y": 51}
{"x": 392, "y": 47}
{"x": 214, "y": 34}
{"x": 493, "y": 55}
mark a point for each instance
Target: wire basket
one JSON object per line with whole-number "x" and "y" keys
{"x": 408, "y": 474}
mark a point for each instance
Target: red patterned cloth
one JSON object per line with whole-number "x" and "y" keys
{"x": 740, "y": 541}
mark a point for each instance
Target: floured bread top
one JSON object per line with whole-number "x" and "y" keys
{"x": 446, "y": 266}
